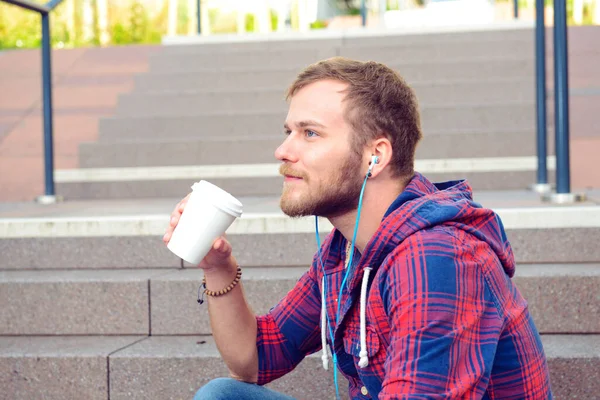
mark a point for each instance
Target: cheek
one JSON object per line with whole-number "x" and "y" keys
{"x": 326, "y": 159}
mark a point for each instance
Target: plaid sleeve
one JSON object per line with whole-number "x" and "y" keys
{"x": 290, "y": 331}
{"x": 444, "y": 322}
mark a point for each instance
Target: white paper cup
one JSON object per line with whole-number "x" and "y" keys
{"x": 209, "y": 212}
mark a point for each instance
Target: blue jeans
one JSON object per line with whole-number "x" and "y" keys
{"x": 229, "y": 388}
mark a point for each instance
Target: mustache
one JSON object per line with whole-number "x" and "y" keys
{"x": 286, "y": 169}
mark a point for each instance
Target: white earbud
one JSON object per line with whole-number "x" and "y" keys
{"x": 374, "y": 160}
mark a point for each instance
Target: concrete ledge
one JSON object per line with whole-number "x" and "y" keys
{"x": 272, "y": 221}
{"x": 385, "y": 52}
{"x": 574, "y": 362}
{"x": 176, "y": 367}
{"x": 467, "y": 68}
{"x": 57, "y": 368}
{"x": 260, "y": 186}
{"x": 543, "y": 244}
{"x": 271, "y": 170}
{"x": 176, "y": 312}
{"x": 561, "y": 297}
{"x": 519, "y": 117}
{"x": 263, "y": 187}
{"x": 190, "y": 99}
{"x": 120, "y": 302}
{"x": 112, "y": 251}
{"x": 139, "y": 152}
{"x": 496, "y": 29}
{"x": 94, "y": 302}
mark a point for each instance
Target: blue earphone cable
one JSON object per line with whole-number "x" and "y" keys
{"x": 349, "y": 267}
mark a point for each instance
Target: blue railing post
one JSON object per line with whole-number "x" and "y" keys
{"x": 47, "y": 95}
{"x": 44, "y": 11}
{"x": 198, "y": 17}
{"x": 561, "y": 94}
{"x": 540, "y": 83}
{"x": 363, "y": 12}
{"x": 516, "y": 9}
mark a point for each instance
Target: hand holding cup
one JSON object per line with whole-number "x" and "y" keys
{"x": 198, "y": 224}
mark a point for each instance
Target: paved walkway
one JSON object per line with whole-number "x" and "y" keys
{"x": 252, "y": 205}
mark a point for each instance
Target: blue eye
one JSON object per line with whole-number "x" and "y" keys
{"x": 310, "y": 133}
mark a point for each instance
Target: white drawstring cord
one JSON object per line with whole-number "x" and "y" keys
{"x": 324, "y": 357}
{"x": 364, "y": 358}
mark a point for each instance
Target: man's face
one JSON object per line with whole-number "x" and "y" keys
{"x": 322, "y": 175}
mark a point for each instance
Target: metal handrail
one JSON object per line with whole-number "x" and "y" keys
{"x": 561, "y": 104}
{"x": 561, "y": 97}
{"x": 542, "y": 184}
{"x": 198, "y": 16}
{"x": 44, "y": 11}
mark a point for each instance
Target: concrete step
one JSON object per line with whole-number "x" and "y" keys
{"x": 382, "y": 52}
{"x": 191, "y": 104}
{"x": 186, "y": 100}
{"x": 291, "y": 58}
{"x": 245, "y": 46}
{"x": 396, "y": 53}
{"x": 127, "y": 234}
{"x": 501, "y": 173}
{"x": 471, "y": 117}
{"x": 139, "y": 152}
{"x": 332, "y": 39}
{"x": 474, "y": 67}
{"x": 132, "y": 302}
{"x": 77, "y": 302}
{"x": 257, "y": 186}
{"x": 175, "y": 310}
{"x": 174, "y": 367}
{"x": 582, "y": 39}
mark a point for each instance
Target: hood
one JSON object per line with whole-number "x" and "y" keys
{"x": 423, "y": 205}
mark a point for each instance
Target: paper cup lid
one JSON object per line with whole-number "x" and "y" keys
{"x": 220, "y": 198}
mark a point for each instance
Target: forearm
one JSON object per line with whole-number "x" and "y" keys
{"x": 233, "y": 324}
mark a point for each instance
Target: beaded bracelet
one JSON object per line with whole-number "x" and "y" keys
{"x": 211, "y": 293}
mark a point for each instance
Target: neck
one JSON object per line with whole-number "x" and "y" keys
{"x": 376, "y": 200}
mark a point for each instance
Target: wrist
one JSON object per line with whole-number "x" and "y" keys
{"x": 224, "y": 269}
{"x": 218, "y": 277}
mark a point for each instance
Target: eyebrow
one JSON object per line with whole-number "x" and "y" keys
{"x": 304, "y": 124}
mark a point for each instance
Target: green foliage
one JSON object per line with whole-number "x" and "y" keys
{"x": 250, "y": 23}
{"x": 318, "y": 24}
{"x": 132, "y": 21}
{"x": 274, "y": 20}
{"x": 135, "y": 26}
{"x": 19, "y": 28}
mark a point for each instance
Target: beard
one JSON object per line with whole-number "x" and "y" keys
{"x": 334, "y": 196}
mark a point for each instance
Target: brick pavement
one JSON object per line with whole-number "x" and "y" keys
{"x": 87, "y": 83}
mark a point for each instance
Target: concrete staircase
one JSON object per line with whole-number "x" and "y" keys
{"x": 218, "y": 115}
{"x": 95, "y": 307}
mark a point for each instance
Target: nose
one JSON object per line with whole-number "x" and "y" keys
{"x": 285, "y": 152}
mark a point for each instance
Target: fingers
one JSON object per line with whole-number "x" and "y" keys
{"x": 222, "y": 246}
{"x": 174, "y": 220}
{"x": 172, "y": 224}
{"x": 219, "y": 254}
{"x": 183, "y": 203}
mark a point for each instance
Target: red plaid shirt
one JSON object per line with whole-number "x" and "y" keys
{"x": 444, "y": 319}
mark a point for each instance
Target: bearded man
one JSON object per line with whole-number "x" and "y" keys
{"x": 439, "y": 316}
